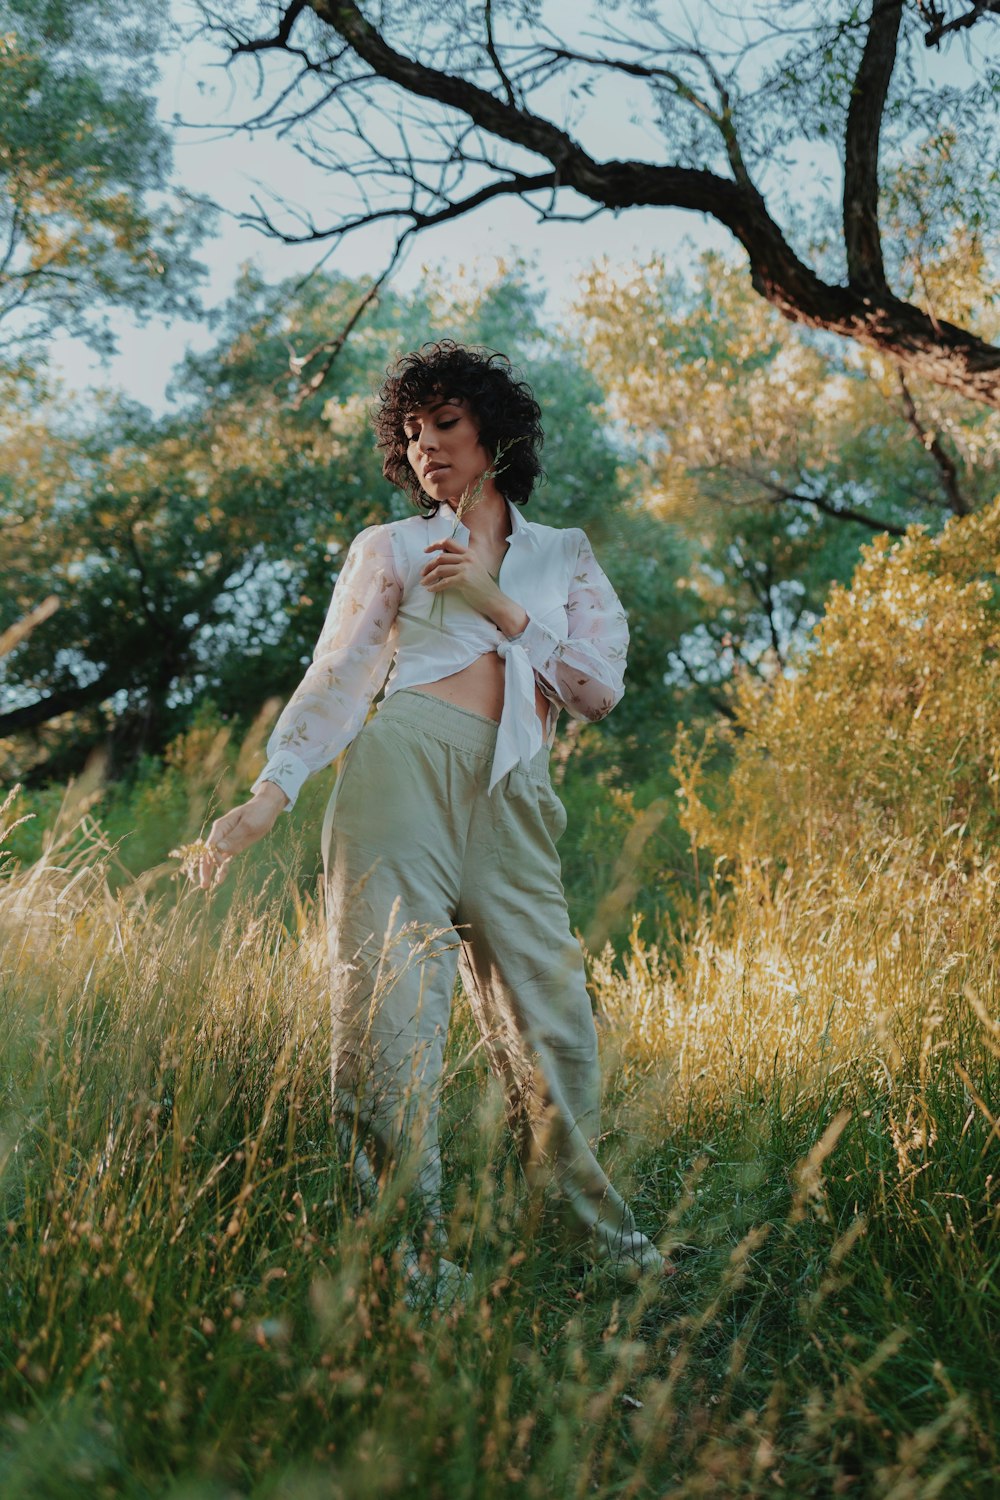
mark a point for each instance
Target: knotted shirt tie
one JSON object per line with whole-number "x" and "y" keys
{"x": 519, "y": 736}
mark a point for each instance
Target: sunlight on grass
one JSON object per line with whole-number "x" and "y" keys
{"x": 801, "y": 1094}
{"x": 188, "y": 1290}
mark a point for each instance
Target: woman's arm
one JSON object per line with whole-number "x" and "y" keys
{"x": 330, "y": 703}
{"x": 349, "y": 666}
{"x": 584, "y": 671}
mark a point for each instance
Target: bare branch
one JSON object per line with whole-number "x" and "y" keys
{"x": 500, "y": 117}
{"x": 780, "y": 494}
{"x": 947, "y": 468}
{"x": 280, "y": 39}
{"x": 330, "y": 348}
{"x": 495, "y": 58}
{"x": 447, "y": 105}
{"x": 721, "y": 118}
{"x": 938, "y": 27}
{"x": 516, "y": 184}
{"x": 949, "y": 355}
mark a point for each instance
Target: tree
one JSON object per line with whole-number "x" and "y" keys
{"x": 180, "y": 548}
{"x": 194, "y": 555}
{"x": 776, "y": 451}
{"x": 429, "y": 112}
{"x": 84, "y": 165}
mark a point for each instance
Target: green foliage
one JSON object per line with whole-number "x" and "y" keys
{"x": 194, "y": 556}
{"x": 83, "y": 178}
{"x": 773, "y": 453}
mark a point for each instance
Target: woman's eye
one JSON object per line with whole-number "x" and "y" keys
{"x": 449, "y": 423}
{"x": 411, "y": 437}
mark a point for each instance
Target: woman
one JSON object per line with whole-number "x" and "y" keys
{"x": 439, "y": 840}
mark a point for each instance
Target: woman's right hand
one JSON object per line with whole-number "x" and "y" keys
{"x": 237, "y": 830}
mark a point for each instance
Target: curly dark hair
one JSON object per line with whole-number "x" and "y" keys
{"x": 509, "y": 417}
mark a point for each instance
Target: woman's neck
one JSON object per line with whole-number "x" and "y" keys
{"x": 488, "y": 518}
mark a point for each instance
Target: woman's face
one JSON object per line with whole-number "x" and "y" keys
{"x": 443, "y": 447}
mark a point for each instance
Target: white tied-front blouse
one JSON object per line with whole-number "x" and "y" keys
{"x": 574, "y": 644}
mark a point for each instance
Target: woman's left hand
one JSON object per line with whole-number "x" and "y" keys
{"x": 457, "y": 567}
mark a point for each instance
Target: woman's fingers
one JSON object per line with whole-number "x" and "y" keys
{"x": 213, "y": 864}
{"x": 230, "y": 835}
{"x": 225, "y": 839}
{"x": 448, "y": 544}
{"x": 449, "y": 554}
{"x": 442, "y": 572}
{"x": 447, "y": 560}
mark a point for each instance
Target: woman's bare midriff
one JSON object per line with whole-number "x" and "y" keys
{"x": 479, "y": 687}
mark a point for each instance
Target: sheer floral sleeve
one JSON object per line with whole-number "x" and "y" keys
{"x": 583, "y": 673}
{"x": 349, "y": 666}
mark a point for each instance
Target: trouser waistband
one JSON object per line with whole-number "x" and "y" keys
{"x": 443, "y": 721}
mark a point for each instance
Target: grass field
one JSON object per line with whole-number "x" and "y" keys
{"x": 801, "y": 1093}
{"x": 802, "y": 1055}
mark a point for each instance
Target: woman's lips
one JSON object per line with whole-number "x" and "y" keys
{"x": 433, "y": 469}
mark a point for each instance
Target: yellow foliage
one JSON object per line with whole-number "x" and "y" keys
{"x": 723, "y": 381}
{"x": 733, "y": 402}
{"x": 890, "y": 728}
{"x": 856, "y": 825}
{"x": 852, "y": 945}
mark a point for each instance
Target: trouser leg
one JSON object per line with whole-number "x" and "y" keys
{"x": 392, "y": 869}
{"x": 524, "y": 970}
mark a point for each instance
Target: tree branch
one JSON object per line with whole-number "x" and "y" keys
{"x": 330, "y": 348}
{"x": 947, "y": 468}
{"x": 865, "y": 310}
{"x": 281, "y": 37}
{"x": 781, "y": 494}
{"x": 145, "y": 593}
{"x": 845, "y": 513}
{"x": 22, "y": 628}
{"x": 722, "y": 118}
{"x": 66, "y": 701}
{"x": 496, "y": 115}
{"x": 719, "y": 704}
{"x": 938, "y": 27}
{"x": 862, "y": 240}
{"x": 517, "y": 184}
{"x": 495, "y": 57}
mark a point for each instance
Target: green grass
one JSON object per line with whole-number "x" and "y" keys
{"x": 191, "y": 1307}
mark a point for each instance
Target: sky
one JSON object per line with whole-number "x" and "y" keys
{"x": 230, "y": 167}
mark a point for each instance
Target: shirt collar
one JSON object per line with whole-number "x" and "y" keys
{"x": 520, "y": 527}
{"x": 442, "y": 523}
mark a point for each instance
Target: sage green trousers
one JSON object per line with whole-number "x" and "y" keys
{"x": 426, "y": 871}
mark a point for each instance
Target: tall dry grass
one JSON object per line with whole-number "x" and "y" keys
{"x": 802, "y": 1095}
